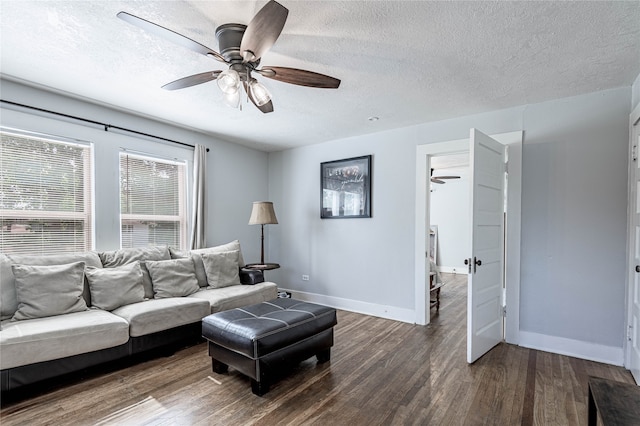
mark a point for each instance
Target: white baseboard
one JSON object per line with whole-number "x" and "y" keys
{"x": 575, "y": 348}
{"x": 382, "y": 311}
{"x": 453, "y": 270}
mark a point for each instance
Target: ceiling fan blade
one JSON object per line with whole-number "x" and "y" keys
{"x": 263, "y": 31}
{"x": 192, "y": 80}
{"x": 170, "y": 35}
{"x": 434, "y": 180}
{"x": 300, "y": 77}
{"x": 266, "y": 108}
{"x": 446, "y": 177}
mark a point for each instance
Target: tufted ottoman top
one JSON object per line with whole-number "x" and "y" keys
{"x": 260, "y": 329}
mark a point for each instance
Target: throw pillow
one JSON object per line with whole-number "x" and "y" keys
{"x": 115, "y": 287}
{"x": 121, "y": 257}
{"x": 233, "y": 245}
{"x": 222, "y": 268}
{"x": 173, "y": 278}
{"x": 44, "y": 291}
{"x": 201, "y": 275}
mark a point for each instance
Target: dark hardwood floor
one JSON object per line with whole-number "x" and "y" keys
{"x": 382, "y": 372}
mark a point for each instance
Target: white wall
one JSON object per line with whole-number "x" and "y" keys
{"x": 450, "y": 211}
{"x": 573, "y": 224}
{"x": 236, "y": 175}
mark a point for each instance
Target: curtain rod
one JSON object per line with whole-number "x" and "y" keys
{"x": 98, "y": 123}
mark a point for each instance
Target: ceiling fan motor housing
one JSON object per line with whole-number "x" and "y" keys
{"x": 229, "y": 38}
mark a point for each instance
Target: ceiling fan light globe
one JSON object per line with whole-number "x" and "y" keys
{"x": 232, "y": 99}
{"x": 260, "y": 93}
{"x": 229, "y": 82}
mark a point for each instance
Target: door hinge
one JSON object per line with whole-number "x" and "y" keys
{"x": 634, "y": 153}
{"x": 629, "y": 332}
{"x": 506, "y": 167}
{"x": 504, "y": 311}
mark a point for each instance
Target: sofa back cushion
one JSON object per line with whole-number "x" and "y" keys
{"x": 44, "y": 291}
{"x": 173, "y": 278}
{"x": 8, "y": 299}
{"x": 115, "y": 287}
{"x": 111, "y": 259}
{"x": 197, "y": 258}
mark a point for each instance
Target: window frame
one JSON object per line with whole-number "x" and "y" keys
{"x": 87, "y": 216}
{"x": 183, "y": 211}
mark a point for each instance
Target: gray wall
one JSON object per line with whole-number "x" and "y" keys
{"x": 236, "y": 174}
{"x": 573, "y": 222}
{"x": 574, "y": 199}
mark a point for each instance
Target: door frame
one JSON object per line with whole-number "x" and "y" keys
{"x": 632, "y": 194}
{"x": 512, "y": 243}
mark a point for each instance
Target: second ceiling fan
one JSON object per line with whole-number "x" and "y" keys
{"x": 440, "y": 179}
{"x": 241, "y": 47}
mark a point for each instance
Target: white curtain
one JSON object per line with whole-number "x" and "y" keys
{"x": 199, "y": 211}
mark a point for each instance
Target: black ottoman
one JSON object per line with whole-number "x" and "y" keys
{"x": 258, "y": 339}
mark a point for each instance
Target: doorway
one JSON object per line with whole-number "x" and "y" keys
{"x": 512, "y": 242}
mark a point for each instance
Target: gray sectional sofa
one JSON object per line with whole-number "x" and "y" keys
{"x": 65, "y": 312}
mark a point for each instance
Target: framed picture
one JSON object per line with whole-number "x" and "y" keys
{"x": 345, "y": 188}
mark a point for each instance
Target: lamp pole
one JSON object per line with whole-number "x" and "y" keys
{"x": 262, "y": 244}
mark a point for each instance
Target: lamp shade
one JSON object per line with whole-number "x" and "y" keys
{"x": 262, "y": 213}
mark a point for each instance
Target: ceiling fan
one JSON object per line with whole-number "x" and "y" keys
{"x": 241, "y": 47}
{"x": 439, "y": 179}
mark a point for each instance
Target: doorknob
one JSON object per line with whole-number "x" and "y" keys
{"x": 476, "y": 262}
{"x": 638, "y": 268}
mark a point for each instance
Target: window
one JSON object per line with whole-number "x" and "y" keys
{"x": 45, "y": 194}
{"x": 152, "y": 201}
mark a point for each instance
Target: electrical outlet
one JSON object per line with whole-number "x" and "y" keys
{"x": 305, "y": 278}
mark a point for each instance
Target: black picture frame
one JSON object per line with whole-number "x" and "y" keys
{"x": 345, "y": 188}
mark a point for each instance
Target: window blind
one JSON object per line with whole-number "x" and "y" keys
{"x": 45, "y": 194}
{"x": 152, "y": 201}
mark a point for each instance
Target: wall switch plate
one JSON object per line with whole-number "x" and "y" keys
{"x": 305, "y": 278}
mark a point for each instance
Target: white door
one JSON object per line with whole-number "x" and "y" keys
{"x": 484, "y": 296}
{"x": 634, "y": 238}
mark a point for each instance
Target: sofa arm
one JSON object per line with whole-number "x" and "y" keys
{"x": 251, "y": 276}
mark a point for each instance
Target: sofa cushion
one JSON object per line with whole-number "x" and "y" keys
{"x": 197, "y": 259}
{"x": 8, "y": 300}
{"x": 121, "y": 257}
{"x": 156, "y": 315}
{"x": 173, "y": 278}
{"x": 236, "y": 296}
{"x": 43, "y": 339}
{"x": 115, "y": 287}
{"x": 44, "y": 291}
{"x": 221, "y": 268}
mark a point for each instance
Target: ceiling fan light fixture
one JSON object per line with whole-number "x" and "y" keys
{"x": 260, "y": 93}
{"x": 232, "y": 99}
{"x": 229, "y": 81}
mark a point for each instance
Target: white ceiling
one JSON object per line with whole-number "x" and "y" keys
{"x": 406, "y": 62}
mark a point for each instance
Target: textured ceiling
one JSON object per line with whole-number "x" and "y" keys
{"x": 406, "y": 62}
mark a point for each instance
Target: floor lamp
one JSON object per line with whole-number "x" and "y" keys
{"x": 263, "y": 214}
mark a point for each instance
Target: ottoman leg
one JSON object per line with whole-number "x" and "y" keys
{"x": 259, "y": 388}
{"x": 324, "y": 355}
{"x": 219, "y": 367}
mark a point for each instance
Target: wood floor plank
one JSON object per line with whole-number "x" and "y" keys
{"x": 381, "y": 372}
